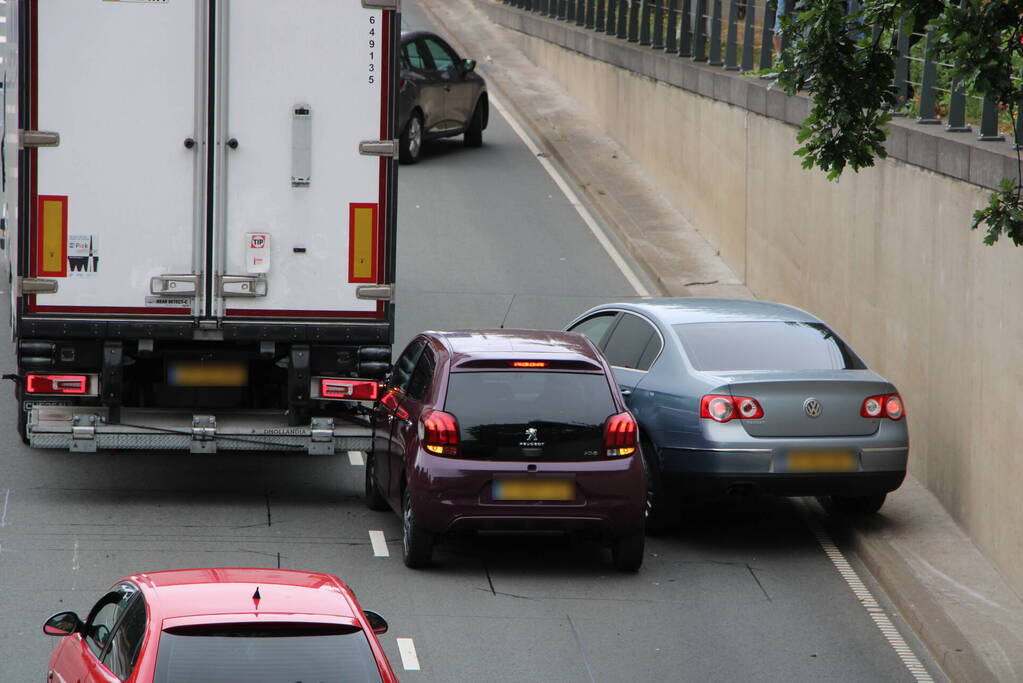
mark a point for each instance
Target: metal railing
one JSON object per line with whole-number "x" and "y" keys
{"x": 739, "y": 35}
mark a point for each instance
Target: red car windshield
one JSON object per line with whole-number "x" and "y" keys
{"x": 265, "y": 654}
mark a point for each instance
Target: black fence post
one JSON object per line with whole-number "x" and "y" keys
{"x": 601, "y": 17}
{"x": 715, "y": 34}
{"x": 989, "y": 121}
{"x": 732, "y": 39}
{"x": 609, "y": 23}
{"x": 671, "y": 39}
{"x": 657, "y": 40}
{"x": 623, "y": 19}
{"x": 634, "y": 20}
{"x": 580, "y": 12}
{"x": 591, "y": 10}
{"x": 749, "y": 30}
{"x": 685, "y": 36}
{"x": 700, "y": 32}
{"x": 767, "y": 36}
{"x": 902, "y": 68}
{"x": 926, "y": 113}
{"x": 644, "y": 22}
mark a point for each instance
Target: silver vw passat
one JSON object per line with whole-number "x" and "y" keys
{"x": 748, "y": 395}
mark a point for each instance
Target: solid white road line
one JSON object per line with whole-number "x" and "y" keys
{"x": 379, "y": 543}
{"x": 6, "y": 493}
{"x": 355, "y": 458}
{"x": 863, "y": 594}
{"x": 573, "y": 199}
{"x": 407, "y": 649}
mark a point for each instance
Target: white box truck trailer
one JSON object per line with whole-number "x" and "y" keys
{"x": 199, "y": 214}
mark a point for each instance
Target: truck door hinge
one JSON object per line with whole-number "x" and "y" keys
{"x": 204, "y": 434}
{"x": 243, "y": 285}
{"x": 182, "y": 285}
{"x": 39, "y": 138}
{"x": 379, "y": 148}
{"x": 321, "y": 439}
{"x": 83, "y": 434}
{"x": 375, "y": 292}
{"x": 35, "y": 285}
{"x": 382, "y": 4}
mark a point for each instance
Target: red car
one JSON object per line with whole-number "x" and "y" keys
{"x": 221, "y": 626}
{"x": 510, "y": 430}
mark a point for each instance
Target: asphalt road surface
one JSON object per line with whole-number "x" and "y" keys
{"x": 740, "y": 592}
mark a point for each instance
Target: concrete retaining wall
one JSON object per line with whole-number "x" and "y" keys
{"x": 885, "y": 255}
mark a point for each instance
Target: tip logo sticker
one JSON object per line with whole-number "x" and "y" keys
{"x": 82, "y": 255}
{"x": 257, "y": 257}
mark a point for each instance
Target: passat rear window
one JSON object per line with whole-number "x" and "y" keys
{"x": 265, "y": 655}
{"x": 768, "y": 345}
{"x": 507, "y": 397}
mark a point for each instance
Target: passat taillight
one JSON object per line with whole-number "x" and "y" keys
{"x": 884, "y": 405}
{"x": 440, "y": 433}
{"x": 621, "y": 435}
{"x": 721, "y": 408}
{"x": 349, "y": 389}
{"x": 57, "y": 384}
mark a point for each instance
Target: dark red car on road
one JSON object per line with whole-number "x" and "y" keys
{"x": 221, "y": 626}
{"x": 512, "y": 430}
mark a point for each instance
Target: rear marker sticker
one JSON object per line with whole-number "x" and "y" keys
{"x": 51, "y": 236}
{"x": 362, "y": 243}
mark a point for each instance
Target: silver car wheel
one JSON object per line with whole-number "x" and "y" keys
{"x": 415, "y": 136}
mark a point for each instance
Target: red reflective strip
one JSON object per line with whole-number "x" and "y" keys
{"x": 358, "y": 390}
{"x": 56, "y": 384}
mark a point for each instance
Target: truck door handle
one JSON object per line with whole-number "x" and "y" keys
{"x": 189, "y": 143}
{"x": 233, "y": 143}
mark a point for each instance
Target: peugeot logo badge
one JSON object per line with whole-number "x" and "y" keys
{"x": 812, "y": 407}
{"x": 532, "y": 435}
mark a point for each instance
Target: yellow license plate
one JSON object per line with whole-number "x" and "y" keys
{"x": 197, "y": 374}
{"x": 821, "y": 461}
{"x": 534, "y": 489}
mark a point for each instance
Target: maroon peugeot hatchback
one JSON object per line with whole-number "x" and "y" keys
{"x": 512, "y": 430}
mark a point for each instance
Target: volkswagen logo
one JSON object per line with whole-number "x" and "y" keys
{"x": 812, "y": 407}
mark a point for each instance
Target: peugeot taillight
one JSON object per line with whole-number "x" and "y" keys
{"x": 885, "y": 405}
{"x": 621, "y": 435}
{"x": 390, "y": 401}
{"x": 348, "y": 389}
{"x": 440, "y": 433}
{"x": 722, "y": 408}
{"x": 56, "y": 384}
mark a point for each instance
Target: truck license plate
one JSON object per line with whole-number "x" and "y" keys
{"x": 198, "y": 374}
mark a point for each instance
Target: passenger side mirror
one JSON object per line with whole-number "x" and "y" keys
{"x": 62, "y": 624}
{"x": 376, "y": 622}
{"x": 468, "y": 65}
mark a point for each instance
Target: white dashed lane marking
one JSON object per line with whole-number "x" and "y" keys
{"x": 407, "y": 650}
{"x": 376, "y": 538}
{"x": 863, "y": 594}
{"x": 355, "y": 458}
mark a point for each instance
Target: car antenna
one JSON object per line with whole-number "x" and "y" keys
{"x": 506, "y": 313}
{"x": 256, "y": 598}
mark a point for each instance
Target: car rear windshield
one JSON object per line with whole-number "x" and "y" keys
{"x": 511, "y": 397}
{"x": 265, "y": 655}
{"x": 767, "y": 345}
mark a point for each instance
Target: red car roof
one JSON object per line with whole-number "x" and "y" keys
{"x": 193, "y": 592}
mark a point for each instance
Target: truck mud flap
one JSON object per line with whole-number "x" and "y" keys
{"x": 86, "y": 430}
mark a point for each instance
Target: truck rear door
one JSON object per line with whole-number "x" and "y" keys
{"x": 209, "y": 164}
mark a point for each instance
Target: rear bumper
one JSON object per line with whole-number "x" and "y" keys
{"x": 85, "y": 429}
{"x": 811, "y": 484}
{"x": 454, "y": 496}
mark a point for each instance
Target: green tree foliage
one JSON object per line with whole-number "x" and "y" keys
{"x": 846, "y": 63}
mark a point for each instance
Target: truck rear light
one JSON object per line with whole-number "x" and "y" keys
{"x": 885, "y": 405}
{"x": 621, "y": 435}
{"x": 440, "y": 433}
{"x": 722, "y": 408}
{"x": 57, "y": 384}
{"x": 349, "y": 389}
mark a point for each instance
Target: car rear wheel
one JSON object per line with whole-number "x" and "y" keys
{"x": 416, "y": 542}
{"x": 658, "y": 515}
{"x": 374, "y": 500}
{"x": 410, "y": 144}
{"x": 474, "y": 131}
{"x": 853, "y": 505}
{"x": 627, "y": 552}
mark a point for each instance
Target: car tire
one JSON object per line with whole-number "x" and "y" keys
{"x": 22, "y": 424}
{"x": 416, "y": 542}
{"x": 658, "y": 514}
{"x": 627, "y": 552}
{"x": 410, "y": 144}
{"x": 474, "y": 131}
{"x": 852, "y": 506}
{"x": 374, "y": 499}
